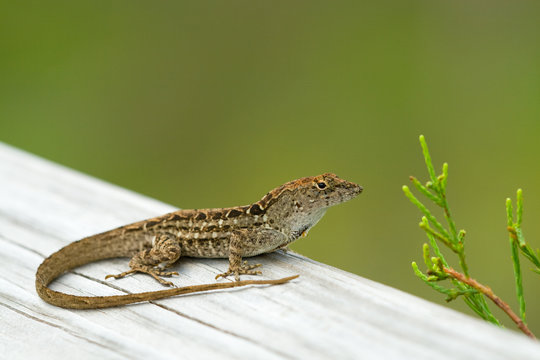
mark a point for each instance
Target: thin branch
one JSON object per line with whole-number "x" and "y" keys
{"x": 489, "y": 293}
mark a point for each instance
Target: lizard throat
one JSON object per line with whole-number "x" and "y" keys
{"x": 296, "y": 234}
{"x": 302, "y": 227}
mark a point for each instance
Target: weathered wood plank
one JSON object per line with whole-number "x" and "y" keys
{"x": 326, "y": 313}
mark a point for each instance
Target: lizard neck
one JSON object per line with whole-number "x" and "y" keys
{"x": 299, "y": 225}
{"x": 290, "y": 215}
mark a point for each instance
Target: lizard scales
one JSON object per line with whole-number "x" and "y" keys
{"x": 280, "y": 217}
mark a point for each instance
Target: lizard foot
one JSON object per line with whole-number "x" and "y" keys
{"x": 156, "y": 273}
{"x": 243, "y": 269}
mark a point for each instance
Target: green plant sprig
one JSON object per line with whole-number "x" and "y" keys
{"x": 438, "y": 270}
{"x": 514, "y": 228}
{"x": 517, "y": 244}
{"x": 435, "y": 190}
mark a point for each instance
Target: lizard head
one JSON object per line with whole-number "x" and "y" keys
{"x": 301, "y": 203}
{"x": 313, "y": 192}
{"x": 327, "y": 190}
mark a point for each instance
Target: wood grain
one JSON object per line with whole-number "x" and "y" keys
{"x": 326, "y": 313}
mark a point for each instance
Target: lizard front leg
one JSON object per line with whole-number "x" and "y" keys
{"x": 163, "y": 254}
{"x": 246, "y": 242}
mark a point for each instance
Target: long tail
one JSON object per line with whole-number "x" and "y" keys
{"x": 104, "y": 246}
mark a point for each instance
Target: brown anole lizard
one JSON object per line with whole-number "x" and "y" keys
{"x": 279, "y": 218}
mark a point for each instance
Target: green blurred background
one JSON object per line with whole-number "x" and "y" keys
{"x": 210, "y": 104}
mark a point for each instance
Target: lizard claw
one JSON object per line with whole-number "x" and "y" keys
{"x": 243, "y": 269}
{"x": 153, "y": 272}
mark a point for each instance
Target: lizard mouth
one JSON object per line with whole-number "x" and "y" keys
{"x": 353, "y": 189}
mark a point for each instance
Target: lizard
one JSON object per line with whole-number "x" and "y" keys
{"x": 282, "y": 216}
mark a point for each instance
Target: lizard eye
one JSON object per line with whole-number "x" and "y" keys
{"x": 321, "y": 185}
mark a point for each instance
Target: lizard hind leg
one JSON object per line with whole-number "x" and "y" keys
{"x": 163, "y": 254}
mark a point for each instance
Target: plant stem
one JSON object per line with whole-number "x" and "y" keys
{"x": 489, "y": 293}
{"x": 518, "y": 279}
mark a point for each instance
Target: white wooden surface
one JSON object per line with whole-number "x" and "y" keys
{"x": 325, "y": 314}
